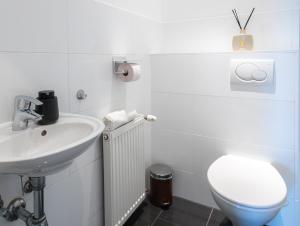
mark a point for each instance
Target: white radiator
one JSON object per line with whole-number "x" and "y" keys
{"x": 124, "y": 171}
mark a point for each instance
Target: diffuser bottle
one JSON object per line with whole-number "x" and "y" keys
{"x": 243, "y": 41}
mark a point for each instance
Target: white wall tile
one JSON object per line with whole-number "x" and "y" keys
{"x": 93, "y": 153}
{"x": 96, "y": 220}
{"x": 98, "y": 28}
{"x": 197, "y": 189}
{"x": 26, "y": 74}
{"x": 106, "y": 93}
{"x": 59, "y": 199}
{"x": 92, "y": 73}
{"x": 191, "y": 9}
{"x": 287, "y": 216}
{"x": 88, "y": 194}
{"x": 190, "y": 156}
{"x": 175, "y": 73}
{"x": 75, "y": 200}
{"x": 112, "y": 27}
{"x": 201, "y": 118}
{"x": 54, "y": 179}
{"x": 209, "y": 74}
{"x": 262, "y": 122}
{"x": 194, "y": 154}
{"x": 33, "y": 25}
{"x": 269, "y": 123}
{"x": 297, "y": 208}
{"x": 151, "y": 9}
{"x": 57, "y": 29}
{"x": 173, "y": 112}
{"x": 271, "y": 31}
{"x": 141, "y": 87}
{"x": 6, "y": 190}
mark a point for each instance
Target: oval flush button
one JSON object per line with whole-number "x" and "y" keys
{"x": 243, "y": 71}
{"x": 256, "y": 75}
{"x": 259, "y": 75}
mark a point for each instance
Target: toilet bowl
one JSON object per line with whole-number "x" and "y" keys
{"x": 249, "y": 192}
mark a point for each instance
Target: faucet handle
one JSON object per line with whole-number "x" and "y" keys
{"x": 24, "y": 102}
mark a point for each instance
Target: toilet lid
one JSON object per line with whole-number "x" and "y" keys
{"x": 247, "y": 182}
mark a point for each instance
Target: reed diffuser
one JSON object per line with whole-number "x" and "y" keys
{"x": 242, "y": 41}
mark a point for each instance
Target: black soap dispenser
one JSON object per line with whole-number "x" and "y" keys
{"x": 49, "y": 110}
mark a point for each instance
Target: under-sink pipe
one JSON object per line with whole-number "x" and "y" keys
{"x": 17, "y": 207}
{"x": 3, "y": 212}
{"x": 38, "y": 185}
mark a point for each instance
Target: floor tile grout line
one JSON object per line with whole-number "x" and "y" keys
{"x": 154, "y": 221}
{"x": 166, "y": 221}
{"x": 209, "y": 217}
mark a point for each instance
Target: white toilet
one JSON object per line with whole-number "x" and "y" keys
{"x": 249, "y": 192}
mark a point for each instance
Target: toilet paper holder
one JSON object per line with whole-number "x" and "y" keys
{"x": 125, "y": 70}
{"x": 116, "y": 64}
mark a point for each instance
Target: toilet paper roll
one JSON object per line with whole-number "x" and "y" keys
{"x": 131, "y": 72}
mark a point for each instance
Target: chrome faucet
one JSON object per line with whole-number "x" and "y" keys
{"x": 23, "y": 112}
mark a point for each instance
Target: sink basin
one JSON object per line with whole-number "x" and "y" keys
{"x": 44, "y": 150}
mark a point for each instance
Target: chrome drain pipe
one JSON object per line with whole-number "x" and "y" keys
{"x": 17, "y": 207}
{"x": 38, "y": 184}
{"x": 3, "y": 211}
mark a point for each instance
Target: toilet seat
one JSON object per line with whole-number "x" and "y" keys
{"x": 246, "y": 182}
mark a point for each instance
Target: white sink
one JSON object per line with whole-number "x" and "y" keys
{"x": 43, "y": 150}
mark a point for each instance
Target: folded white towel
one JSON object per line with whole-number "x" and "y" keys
{"x": 116, "y": 119}
{"x": 132, "y": 115}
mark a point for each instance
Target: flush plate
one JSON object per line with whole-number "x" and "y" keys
{"x": 256, "y": 73}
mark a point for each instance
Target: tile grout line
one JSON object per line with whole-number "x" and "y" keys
{"x": 219, "y": 96}
{"x": 164, "y": 53}
{"x": 154, "y": 221}
{"x": 132, "y": 12}
{"x": 219, "y": 139}
{"x": 169, "y": 222}
{"x": 224, "y": 16}
{"x": 209, "y": 217}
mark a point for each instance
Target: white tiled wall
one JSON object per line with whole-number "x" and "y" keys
{"x": 33, "y": 26}
{"x": 68, "y": 45}
{"x": 95, "y": 27}
{"x": 150, "y": 9}
{"x": 208, "y": 26}
{"x": 174, "y": 10}
{"x": 201, "y": 118}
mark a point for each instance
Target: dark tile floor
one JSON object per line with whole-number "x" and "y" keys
{"x": 181, "y": 213}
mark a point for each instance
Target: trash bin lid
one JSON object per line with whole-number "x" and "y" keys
{"x": 160, "y": 171}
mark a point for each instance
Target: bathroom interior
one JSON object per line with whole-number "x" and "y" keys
{"x": 210, "y": 95}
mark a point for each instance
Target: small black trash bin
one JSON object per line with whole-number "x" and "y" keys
{"x": 161, "y": 185}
